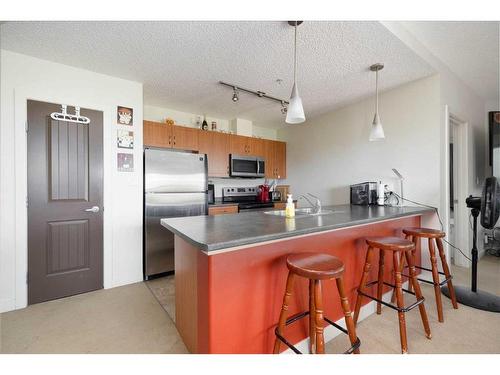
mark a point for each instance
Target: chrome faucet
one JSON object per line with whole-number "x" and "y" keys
{"x": 316, "y": 206}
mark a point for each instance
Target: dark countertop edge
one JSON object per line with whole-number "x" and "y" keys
{"x": 247, "y": 242}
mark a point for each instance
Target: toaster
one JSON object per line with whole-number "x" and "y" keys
{"x": 364, "y": 193}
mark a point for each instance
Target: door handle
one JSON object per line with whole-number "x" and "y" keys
{"x": 93, "y": 209}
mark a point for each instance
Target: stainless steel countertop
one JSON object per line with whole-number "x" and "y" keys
{"x": 210, "y": 233}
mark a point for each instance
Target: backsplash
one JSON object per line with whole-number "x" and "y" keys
{"x": 220, "y": 183}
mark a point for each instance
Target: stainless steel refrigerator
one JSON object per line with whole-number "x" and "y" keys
{"x": 175, "y": 185}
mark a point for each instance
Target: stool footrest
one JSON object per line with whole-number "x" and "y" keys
{"x": 446, "y": 279}
{"x": 394, "y": 307}
{"x": 299, "y": 316}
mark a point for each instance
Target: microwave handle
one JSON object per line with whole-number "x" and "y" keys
{"x": 258, "y": 166}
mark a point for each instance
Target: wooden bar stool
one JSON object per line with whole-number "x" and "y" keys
{"x": 432, "y": 236}
{"x": 315, "y": 267}
{"x": 399, "y": 247}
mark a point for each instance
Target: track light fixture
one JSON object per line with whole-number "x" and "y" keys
{"x": 236, "y": 96}
{"x": 260, "y": 94}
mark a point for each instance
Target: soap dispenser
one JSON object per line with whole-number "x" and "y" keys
{"x": 290, "y": 207}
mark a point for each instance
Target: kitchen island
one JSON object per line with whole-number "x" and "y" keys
{"x": 230, "y": 270}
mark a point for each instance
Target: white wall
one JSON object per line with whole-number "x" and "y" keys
{"x": 24, "y": 77}
{"x": 327, "y": 154}
{"x": 152, "y": 113}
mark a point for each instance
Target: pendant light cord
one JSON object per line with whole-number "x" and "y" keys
{"x": 376, "y": 91}
{"x": 295, "y": 57}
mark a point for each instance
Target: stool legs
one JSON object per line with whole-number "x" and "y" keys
{"x": 318, "y": 313}
{"x": 284, "y": 310}
{"x": 418, "y": 292}
{"x": 435, "y": 279}
{"x": 349, "y": 322}
{"x": 364, "y": 278}
{"x": 312, "y": 319}
{"x": 446, "y": 271}
{"x": 380, "y": 285}
{"x": 400, "y": 301}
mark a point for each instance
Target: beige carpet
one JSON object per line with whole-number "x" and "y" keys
{"x": 465, "y": 330}
{"x": 127, "y": 319}
{"x": 130, "y": 319}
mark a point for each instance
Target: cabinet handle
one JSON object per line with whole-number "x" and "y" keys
{"x": 169, "y": 139}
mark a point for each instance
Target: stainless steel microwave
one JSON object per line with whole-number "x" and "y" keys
{"x": 246, "y": 166}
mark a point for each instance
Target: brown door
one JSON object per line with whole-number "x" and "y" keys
{"x": 65, "y": 177}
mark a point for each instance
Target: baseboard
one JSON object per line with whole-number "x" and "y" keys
{"x": 331, "y": 332}
{"x": 7, "y": 304}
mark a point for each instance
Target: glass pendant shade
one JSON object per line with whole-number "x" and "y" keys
{"x": 377, "y": 131}
{"x": 295, "y": 112}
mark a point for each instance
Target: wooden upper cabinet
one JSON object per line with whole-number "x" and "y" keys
{"x": 157, "y": 134}
{"x": 216, "y": 146}
{"x": 185, "y": 138}
{"x": 280, "y": 159}
{"x": 269, "y": 156}
{"x": 239, "y": 145}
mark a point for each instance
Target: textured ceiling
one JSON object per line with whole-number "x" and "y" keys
{"x": 181, "y": 62}
{"x": 469, "y": 49}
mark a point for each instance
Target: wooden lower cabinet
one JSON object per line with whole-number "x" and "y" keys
{"x": 216, "y": 146}
{"x": 222, "y": 210}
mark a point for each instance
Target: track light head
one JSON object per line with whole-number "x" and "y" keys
{"x": 284, "y": 108}
{"x": 236, "y": 96}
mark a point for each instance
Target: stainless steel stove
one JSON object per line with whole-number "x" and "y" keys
{"x": 246, "y": 197}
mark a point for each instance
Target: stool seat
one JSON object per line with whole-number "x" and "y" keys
{"x": 390, "y": 243}
{"x": 424, "y": 232}
{"x": 315, "y": 266}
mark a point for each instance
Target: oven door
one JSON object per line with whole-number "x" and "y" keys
{"x": 246, "y": 166}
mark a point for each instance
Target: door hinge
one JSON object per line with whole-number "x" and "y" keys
{"x": 26, "y": 201}
{"x": 26, "y": 126}
{"x": 27, "y": 277}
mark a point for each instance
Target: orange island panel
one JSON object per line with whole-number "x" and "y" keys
{"x": 229, "y": 302}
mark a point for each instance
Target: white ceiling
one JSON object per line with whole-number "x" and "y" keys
{"x": 181, "y": 62}
{"x": 469, "y": 49}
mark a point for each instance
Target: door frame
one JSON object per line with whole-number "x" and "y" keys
{"x": 462, "y": 230}
{"x": 21, "y": 97}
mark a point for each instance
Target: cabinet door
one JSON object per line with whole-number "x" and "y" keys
{"x": 185, "y": 138}
{"x": 216, "y": 146}
{"x": 157, "y": 134}
{"x": 239, "y": 145}
{"x": 269, "y": 155}
{"x": 280, "y": 159}
{"x": 258, "y": 147}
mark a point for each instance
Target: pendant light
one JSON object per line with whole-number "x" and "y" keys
{"x": 377, "y": 131}
{"x": 295, "y": 110}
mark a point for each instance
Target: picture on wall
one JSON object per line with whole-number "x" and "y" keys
{"x": 125, "y": 162}
{"x": 125, "y": 139}
{"x": 124, "y": 116}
